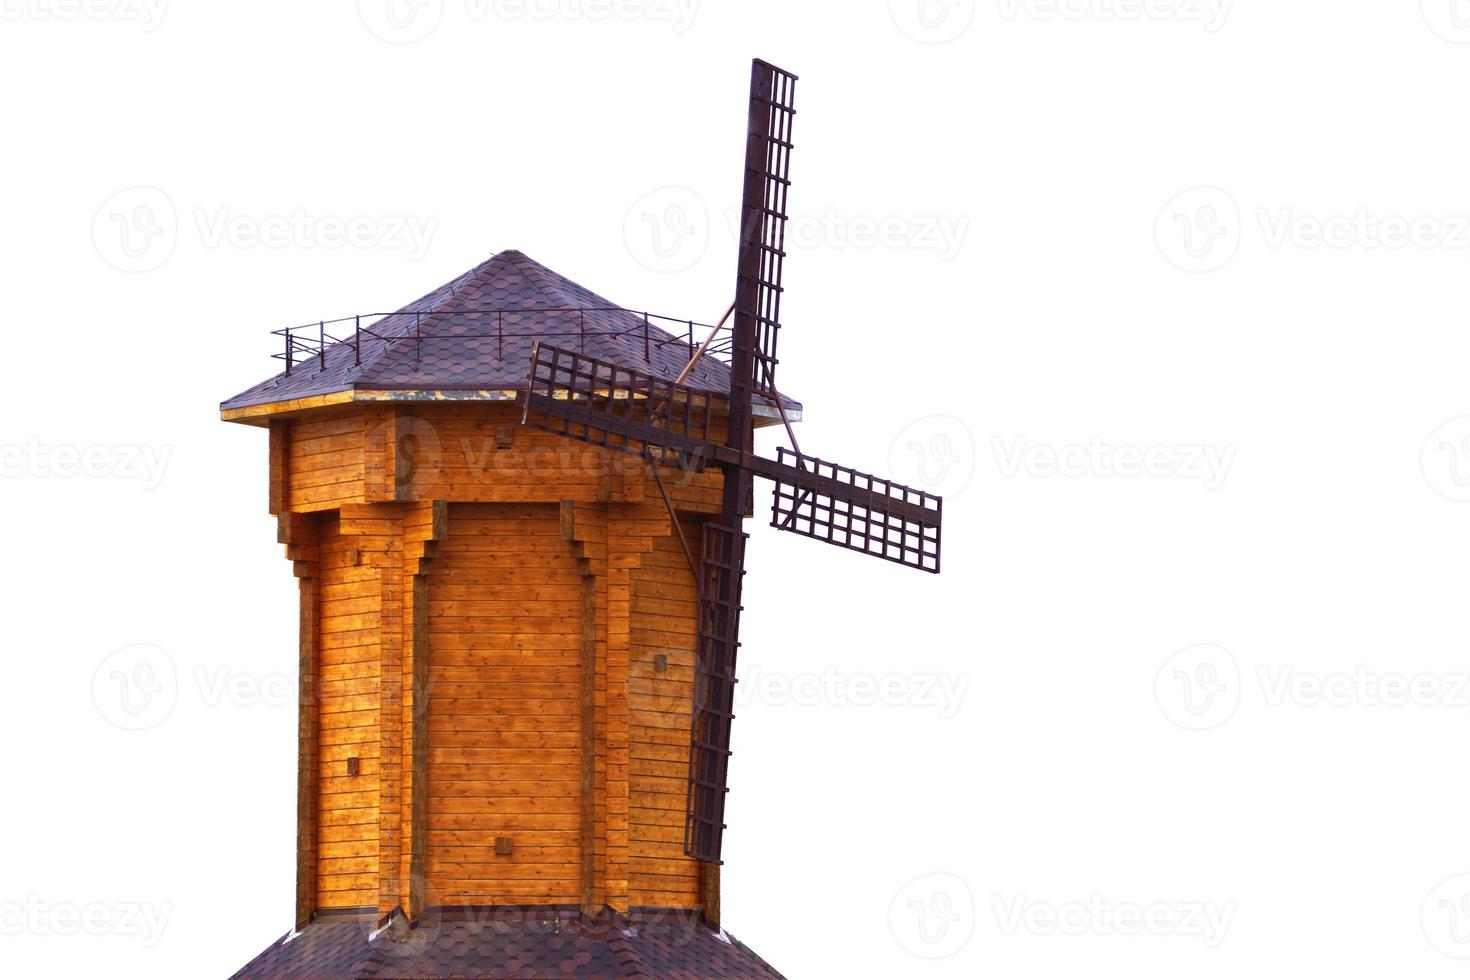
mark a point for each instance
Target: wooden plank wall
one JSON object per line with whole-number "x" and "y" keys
{"x": 504, "y": 728}
{"x": 325, "y": 468}
{"x": 483, "y": 454}
{"x": 664, "y": 606}
{"x": 347, "y": 721}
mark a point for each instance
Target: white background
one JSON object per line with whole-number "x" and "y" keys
{"x": 1089, "y": 306}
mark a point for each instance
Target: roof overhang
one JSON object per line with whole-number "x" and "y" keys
{"x": 262, "y": 414}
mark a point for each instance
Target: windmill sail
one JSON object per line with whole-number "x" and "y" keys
{"x": 763, "y": 214}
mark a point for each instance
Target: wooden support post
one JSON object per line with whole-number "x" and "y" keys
{"x": 280, "y": 466}
{"x": 425, "y": 525}
{"x": 298, "y": 532}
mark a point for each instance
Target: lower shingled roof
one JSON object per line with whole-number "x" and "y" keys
{"x": 509, "y": 942}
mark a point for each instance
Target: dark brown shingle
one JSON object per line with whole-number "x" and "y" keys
{"x": 476, "y": 332}
{"x": 511, "y": 943}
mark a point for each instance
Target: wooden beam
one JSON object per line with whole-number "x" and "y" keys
{"x": 280, "y": 466}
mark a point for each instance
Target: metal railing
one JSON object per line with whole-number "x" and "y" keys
{"x": 343, "y": 337}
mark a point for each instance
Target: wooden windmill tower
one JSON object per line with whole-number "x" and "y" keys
{"x": 520, "y": 593}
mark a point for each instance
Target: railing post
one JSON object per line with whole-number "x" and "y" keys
{"x": 357, "y": 343}
{"x": 691, "y": 340}
{"x": 321, "y": 349}
{"x": 290, "y": 355}
{"x": 646, "y": 349}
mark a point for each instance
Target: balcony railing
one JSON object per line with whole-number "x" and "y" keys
{"x": 327, "y": 340}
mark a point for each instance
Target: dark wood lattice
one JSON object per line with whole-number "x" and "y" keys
{"x": 607, "y": 405}
{"x": 855, "y": 510}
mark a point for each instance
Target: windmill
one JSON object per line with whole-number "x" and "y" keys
{"x": 670, "y": 423}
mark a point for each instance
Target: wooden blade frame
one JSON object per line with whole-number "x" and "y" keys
{"x": 595, "y": 401}
{"x": 856, "y": 510}
{"x": 601, "y": 403}
{"x": 763, "y": 215}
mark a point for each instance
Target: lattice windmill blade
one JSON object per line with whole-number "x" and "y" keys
{"x": 721, "y": 578}
{"x": 605, "y": 404}
{"x": 856, "y": 510}
{"x": 608, "y": 405}
{"x": 763, "y": 214}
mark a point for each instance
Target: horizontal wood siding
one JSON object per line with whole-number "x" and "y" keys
{"x": 325, "y": 469}
{"x": 504, "y": 725}
{"x": 662, "y": 622}
{"x": 347, "y": 715}
{"x": 483, "y": 454}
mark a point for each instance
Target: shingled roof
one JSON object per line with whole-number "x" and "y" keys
{"x": 473, "y": 336}
{"x": 510, "y": 943}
